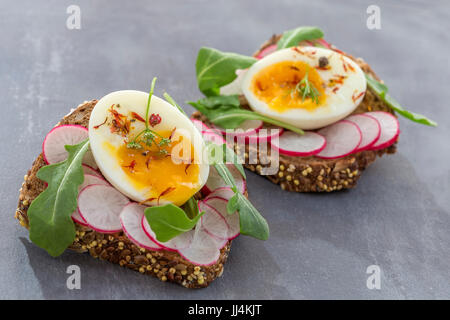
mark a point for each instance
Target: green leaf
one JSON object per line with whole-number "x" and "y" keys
{"x": 292, "y": 38}
{"x": 191, "y": 208}
{"x": 222, "y": 111}
{"x": 169, "y": 221}
{"x": 226, "y": 175}
{"x": 381, "y": 90}
{"x": 51, "y": 225}
{"x": 251, "y": 221}
{"x": 232, "y": 205}
{"x": 216, "y": 68}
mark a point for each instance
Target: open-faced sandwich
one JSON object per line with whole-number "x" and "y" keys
{"x": 130, "y": 179}
{"x": 315, "y": 113}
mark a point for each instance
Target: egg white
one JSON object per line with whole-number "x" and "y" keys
{"x": 136, "y": 101}
{"x": 337, "y": 106}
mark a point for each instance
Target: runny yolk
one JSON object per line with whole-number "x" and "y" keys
{"x": 170, "y": 180}
{"x": 276, "y": 86}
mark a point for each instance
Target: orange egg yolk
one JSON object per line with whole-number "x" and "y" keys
{"x": 276, "y": 85}
{"x": 174, "y": 181}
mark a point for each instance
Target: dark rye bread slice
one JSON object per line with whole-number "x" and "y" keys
{"x": 117, "y": 248}
{"x": 313, "y": 174}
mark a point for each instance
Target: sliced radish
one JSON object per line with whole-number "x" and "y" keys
{"x": 203, "y": 249}
{"x": 100, "y": 206}
{"x": 343, "y": 138}
{"x": 324, "y": 43}
{"x": 390, "y": 129}
{"x": 89, "y": 179}
{"x": 370, "y": 129}
{"x": 222, "y": 192}
{"x": 215, "y": 180}
{"x": 294, "y": 144}
{"x": 54, "y": 150}
{"x": 213, "y": 136}
{"x": 89, "y": 170}
{"x": 196, "y": 246}
{"x": 131, "y": 220}
{"x": 266, "y": 51}
{"x": 247, "y": 128}
{"x": 212, "y": 224}
{"x": 179, "y": 242}
{"x": 200, "y": 125}
{"x": 265, "y": 134}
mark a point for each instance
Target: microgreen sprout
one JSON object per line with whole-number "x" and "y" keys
{"x": 307, "y": 90}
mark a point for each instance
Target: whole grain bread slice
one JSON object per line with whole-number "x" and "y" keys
{"x": 313, "y": 174}
{"x": 117, "y": 248}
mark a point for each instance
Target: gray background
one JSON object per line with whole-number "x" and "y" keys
{"x": 320, "y": 244}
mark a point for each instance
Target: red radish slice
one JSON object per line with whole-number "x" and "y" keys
{"x": 294, "y": 144}
{"x": 200, "y": 125}
{"x": 215, "y": 180}
{"x": 53, "y": 146}
{"x": 219, "y": 205}
{"x": 247, "y": 128}
{"x": 343, "y": 138}
{"x": 89, "y": 179}
{"x": 100, "y": 206}
{"x": 131, "y": 220}
{"x": 215, "y": 215}
{"x": 265, "y": 134}
{"x": 89, "y": 170}
{"x": 390, "y": 129}
{"x": 212, "y": 136}
{"x": 179, "y": 242}
{"x": 370, "y": 130}
{"x": 266, "y": 51}
{"x": 324, "y": 43}
{"x": 213, "y": 222}
{"x": 202, "y": 249}
{"x": 222, "y": 192}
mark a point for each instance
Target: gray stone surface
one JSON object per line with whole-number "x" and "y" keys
{"x": 320, "y": 244}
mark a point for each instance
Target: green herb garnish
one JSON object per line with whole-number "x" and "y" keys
{"x": 148, "y": 136}
{"x": 215, "y": 69}
{"x": 169, "y": 221}
{"x": 51, "y": 225}
{"x": 307, "y": 90}
{"x": 292, "y": 38}
{"x": 381, "y": 90}
{"x": 225, "y": 111}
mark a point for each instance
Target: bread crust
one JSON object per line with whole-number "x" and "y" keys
{"x": 117, "y": 248}
{"x": 313, "y": 174}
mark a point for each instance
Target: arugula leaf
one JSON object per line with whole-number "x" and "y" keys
{"x": 51, "y": 225}
{"x": 225, "y": 111}
{"x": 252, "y": 222}
{"x": 169, "y": 221}
{"x": 292, "y": 38}
{"x": 381, "y": 90}
{"x": 191, "y": 208}
{"x": 216, "y": 68}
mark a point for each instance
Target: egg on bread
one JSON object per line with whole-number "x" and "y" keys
{"x": 275, "y": 86}
{"x": 157, "y": 166}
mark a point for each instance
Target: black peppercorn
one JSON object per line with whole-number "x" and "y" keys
{"x": 323, "y": 62}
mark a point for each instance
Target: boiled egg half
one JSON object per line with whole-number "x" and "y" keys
{"x": 275, "y": 86}
{"x": 157, "y": 166}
